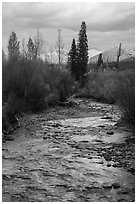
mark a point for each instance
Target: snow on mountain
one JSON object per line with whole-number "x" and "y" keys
{"x": 108, "y": 55}
{"x": 111, "y": 55}
{"x": 52, "y": 57}
{"x": 93, "y": 52}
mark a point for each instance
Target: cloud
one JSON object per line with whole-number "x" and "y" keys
{"x": 25, "y": 18}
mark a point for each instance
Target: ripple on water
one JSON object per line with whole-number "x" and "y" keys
{"x": 86, "y": 122}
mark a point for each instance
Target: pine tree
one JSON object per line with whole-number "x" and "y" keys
{"x": 13, "y": 46}
{"x": 31, "y": 49}
{"x": 82, "y": 48}
{"x": 72, "y": 59}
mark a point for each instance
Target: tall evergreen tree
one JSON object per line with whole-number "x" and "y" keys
{"x": 31, "y": 49}
{"x": 13, "y": 46}
{"x": 82, "y": 48}
{"x": 72, "y": 59}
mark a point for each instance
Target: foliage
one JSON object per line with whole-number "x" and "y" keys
{"x": 126, "y": 94}
{"x": 100, "y": 86}
{"x": 113, "y": 87}
{"x": 34, "y": 83}
{"x": 13, "y": 46}
{"x": 60, "y": 82}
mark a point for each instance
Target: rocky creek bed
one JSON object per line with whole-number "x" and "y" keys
{"x": 76, "y": 154}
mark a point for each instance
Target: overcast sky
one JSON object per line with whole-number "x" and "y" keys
{"x": 108, "y": 24}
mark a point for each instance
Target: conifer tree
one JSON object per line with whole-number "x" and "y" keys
{"x": 72, "y": 60}
{"x": 13, "y": 46}
{"x": 82, "y": 47}
{"x": 31, "y": 49}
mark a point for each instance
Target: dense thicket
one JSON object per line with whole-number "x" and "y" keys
{"x": 29, "y": 83}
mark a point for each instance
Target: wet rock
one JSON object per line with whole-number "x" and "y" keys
{"x": 108, "y": 165}
{"x": 107, "y": 157}
{"x": 132, "y": 169}
{"x": 123, "y": 191}
{"x": 85, "y": 141}
{"x": 118, "y": 153}
{"x": 121, "y": 200}
{"x": 116, "y": 185}
{"x": 97, "y": 140}
{"x": 107, "y": 185}
{"x": 100, "y": 162}
{"x": 97, "y": 185}
{"x": 130, "y": 140}
{"x": 89, "y": 157}
{"x": 106, "y": 117}
{"x": 110, "y": 132}
{"x": 9, "y": 138}
{"x": 5, "y": 176}
{"x": 56, "y": 125}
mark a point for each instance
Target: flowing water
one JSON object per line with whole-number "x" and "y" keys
{"x": 75, "y": 154}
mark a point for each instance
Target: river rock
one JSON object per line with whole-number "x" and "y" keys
{"x": 106, "y": 117}
{"x": 107, "y": 185}
{"x": 116, "y": 185}
{"x": 132, "y": 169}
{"x": 118, "y": 153}
{"x": 9, "y": 138}
{"x": 123, "y": 191}
{"x": 116, "y": 164}
{"x": 108, "y": 165}
{"x": 107, "y": 157}
{"x": 110, "y": 132}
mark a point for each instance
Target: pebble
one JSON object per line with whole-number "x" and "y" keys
{"x": 108, "y": 165}
{"x": 107, "y": 185}
{"x": 107, "y": 117}
{"x": 122, "y": 191}
{"x": 115, "y": 164}
{"x": 110, "y": 132}
{"x": 9, "y": 138}
{"x": 100, "y": 162}
{"x": 116, "y": 185}
{"x": 132, "y": 169}
{"x": 107, "y": 157}
{"x": 118, "y": 153}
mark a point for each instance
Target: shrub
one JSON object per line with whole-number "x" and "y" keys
{"x": 100, "y": 86}
{"x": 61, "y": 84}
{"x": 126, "y": 94}
{"x": 113, "y": 87}
{"x": 36, "y": 94}
{"x": 10, "y": 109}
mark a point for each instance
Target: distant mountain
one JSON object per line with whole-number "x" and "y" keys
{"x": 93, "y": 52}
{"x": 111, "y": 55}
{"x": 108, "y": 55}
{"x": 53, "y": 56}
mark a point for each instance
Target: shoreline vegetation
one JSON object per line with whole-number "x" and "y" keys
{"x": 30, "y": 84}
